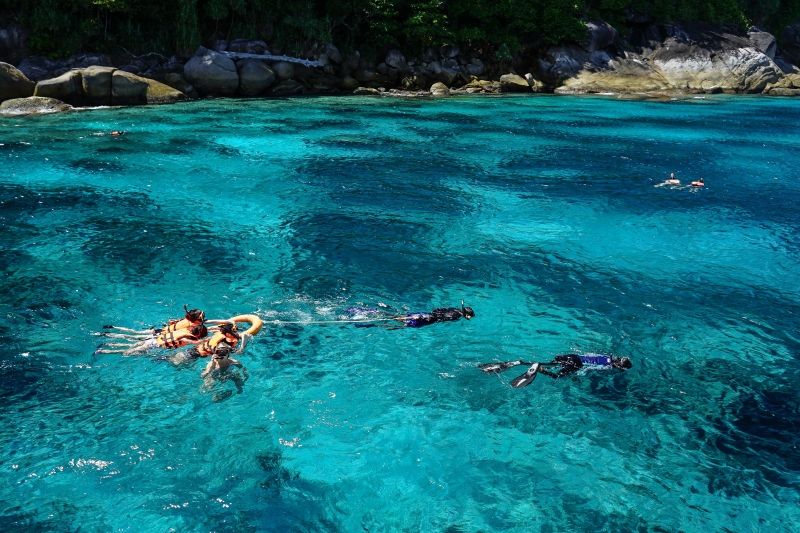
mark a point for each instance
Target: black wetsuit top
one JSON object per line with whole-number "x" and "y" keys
{"x": 441, "y": 314}
{"x": 570, "y": 364}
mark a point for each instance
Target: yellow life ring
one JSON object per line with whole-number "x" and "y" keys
{"x": 255, "y": 323}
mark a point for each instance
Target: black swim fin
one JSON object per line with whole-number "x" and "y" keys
{"x": 496, "y": 368}
{"x": 527, "y": 378}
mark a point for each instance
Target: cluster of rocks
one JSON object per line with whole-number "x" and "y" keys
{"x": 649, "y": 58}
{"x": 90, "y": 86}
{"x": 687, "y": 58}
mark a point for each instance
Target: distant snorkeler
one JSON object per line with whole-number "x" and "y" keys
{"x": 418, "y": 320}
{"x": 670, "y": 181}
{"x": 168, "y": 340}
{"x": 698, "y": 183}
{"x": 567, "y": 364}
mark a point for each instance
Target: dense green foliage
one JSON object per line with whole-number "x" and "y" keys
{"x": 62, "y": 27}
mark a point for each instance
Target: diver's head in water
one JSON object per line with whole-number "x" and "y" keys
{"x": 229, "y": 330}
{"x": 223, "y": 351}
{"x": 194, "y": 315}
{"x": 199, "y": 331}
{"x": 622, "y": 363}
{"x": 466, "y": 312}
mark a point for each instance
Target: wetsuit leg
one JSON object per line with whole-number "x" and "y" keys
{"x": 569, "y": 365}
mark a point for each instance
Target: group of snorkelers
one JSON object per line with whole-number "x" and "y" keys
{"x": 192, "y": 331}
{"x": 676, "y": 182}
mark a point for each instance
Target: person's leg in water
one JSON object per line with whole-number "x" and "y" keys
{"x": 569, "y": 365}
{"x": 148, "y": 331}
{"x": 126, "y": 336}
{"x": 132, "y": 349}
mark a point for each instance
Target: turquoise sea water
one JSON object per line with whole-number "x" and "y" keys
{"x": 540, "y": 212}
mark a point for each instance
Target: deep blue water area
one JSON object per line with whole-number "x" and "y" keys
{"x": 542, "y": 213}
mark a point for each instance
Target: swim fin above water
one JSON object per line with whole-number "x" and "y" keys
{"x": 496, "y": 368}
{"x": 527, "y": 378}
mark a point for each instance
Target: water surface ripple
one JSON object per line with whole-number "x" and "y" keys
{"x": 541, "y": 212}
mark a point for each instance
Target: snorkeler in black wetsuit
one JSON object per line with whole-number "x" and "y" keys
{"x": 418, "y": 320}
{"x": 568, "y": 364}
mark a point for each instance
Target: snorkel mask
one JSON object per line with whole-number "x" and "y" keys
{"x": 466, "y": 312}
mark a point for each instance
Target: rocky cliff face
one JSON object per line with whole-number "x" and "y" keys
{"x": 648, "y": 57}
{"x": 687, "y": 58}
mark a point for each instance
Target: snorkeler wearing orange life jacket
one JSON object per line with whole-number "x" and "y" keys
{"x": 227, "y": 333}
{"x": 169, "y": 340}
{"x": 192, "y": 318}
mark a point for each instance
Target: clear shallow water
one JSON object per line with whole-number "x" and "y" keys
{"x": 540, "y": 212}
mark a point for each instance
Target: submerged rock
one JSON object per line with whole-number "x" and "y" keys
{"x": 33, "y": 105}
{"x": 212, "y": 73}
{"x": 13, "y": 83}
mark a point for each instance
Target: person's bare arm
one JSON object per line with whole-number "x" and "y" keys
{"x": 208, "y": 369}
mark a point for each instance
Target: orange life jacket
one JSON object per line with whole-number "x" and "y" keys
{"x": 210, "y": 346}
{"x": 175, "y": 339}
{"x": 184, "y": 323}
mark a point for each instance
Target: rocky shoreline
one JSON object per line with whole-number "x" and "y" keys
{"x": 650, "y": 60}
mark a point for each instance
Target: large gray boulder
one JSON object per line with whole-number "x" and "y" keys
{"x": 396, "y": 60}
{"x": 440, "y": 89}
{"x": 348, "y": 84}
{"x": 579, "y": 71}
{"x": 12, "y": 44}
{"x": 33, "y": 105}
{"x": 790, "y": 44}
{"x": 96, "y": 84}
{"x": 333, "y": 54}
{"x": 247, "y": 46}
{"x": 449, "y": 51}
{"x": 13, "y": 83}
{"x": 600, "y": 34}
{"x": 67, "y": 88}
{"x": 254, "y": 77}
{"x": 38, "y": 68}
{"x": 514, "y": 83}
{"x": 283, "y": 70}
{"x": 765, "y": 42}
{"x": 179, "y": 83}
{"x": 160, "y": 93}
{"x": 211, "y": 73}
{"x": 128, "y": 89}
{"x": 447, "y": 76}
{"x": 706, "y": 59}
